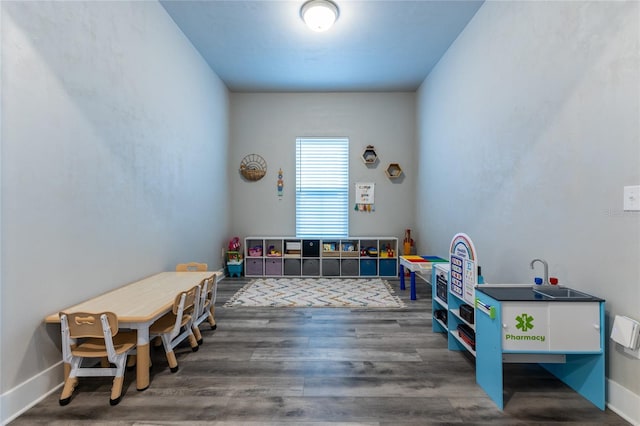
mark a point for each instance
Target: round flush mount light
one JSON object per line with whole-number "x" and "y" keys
{"x": 319, "y": 15}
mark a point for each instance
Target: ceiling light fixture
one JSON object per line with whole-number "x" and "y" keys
{"x": 319, "y": 15}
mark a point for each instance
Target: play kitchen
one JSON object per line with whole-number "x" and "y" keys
{"x": 561, "y": 329}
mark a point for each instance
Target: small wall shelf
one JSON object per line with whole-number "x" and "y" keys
{"x": 393, "y": 171}
{"x": 369, "y": 156}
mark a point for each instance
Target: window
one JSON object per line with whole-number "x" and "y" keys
{"x": 322, "y": 187}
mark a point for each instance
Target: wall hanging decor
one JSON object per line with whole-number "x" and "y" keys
{"x": 280, "y": 183}
{"x": 365, "y": 197}
{"x": 253, "y": 167}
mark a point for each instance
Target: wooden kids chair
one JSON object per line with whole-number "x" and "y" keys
{"x": 188, "y": 267}
{"x": 94, "y": 336}
{"x": 205, "y": 311}
{"x": 176, "y": 325}
{"x": 191, "y": 266}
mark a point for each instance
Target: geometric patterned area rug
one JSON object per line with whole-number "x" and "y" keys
{"x": 317, "y": 292}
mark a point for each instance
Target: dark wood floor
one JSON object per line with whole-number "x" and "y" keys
{"x": 319, "y": 366}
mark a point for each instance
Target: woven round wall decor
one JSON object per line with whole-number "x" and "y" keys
{"x": 253, "y": 167}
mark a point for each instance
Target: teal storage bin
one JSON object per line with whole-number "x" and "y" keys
{"x": 388, "y": 268}
{"x": 234, "y": 269}
{"x": 368, "y": 267}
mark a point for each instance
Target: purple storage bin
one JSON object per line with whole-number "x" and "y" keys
{"x": 253, "y": 266}
{"x": 273, "y": 267}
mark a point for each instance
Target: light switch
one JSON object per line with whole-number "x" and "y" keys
{"x": 632, "y": 198}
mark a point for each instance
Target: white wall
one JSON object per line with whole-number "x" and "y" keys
{"x": 530, "y": 126}
{"x": 268, "y": 124}
{"x": 114, "y": 147}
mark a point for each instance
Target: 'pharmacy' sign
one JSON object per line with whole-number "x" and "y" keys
{"x": 526, "y": 326}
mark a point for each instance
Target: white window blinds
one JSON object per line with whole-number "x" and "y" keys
{"x": 322, "y": 187}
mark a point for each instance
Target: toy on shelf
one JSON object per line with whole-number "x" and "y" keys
{"x": 349, "y": 249}
{"x": 330, "y": 250}
{"x": 234, "y": 244}
{"x": 255, "y": 251}
{"x": 369, "y": 252}
{"x": 272, "y": 252}
{"x": 387, "y": 252}
{"x": 234, "y": 256}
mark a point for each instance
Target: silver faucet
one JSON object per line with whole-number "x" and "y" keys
{"x": 546, "y": 269}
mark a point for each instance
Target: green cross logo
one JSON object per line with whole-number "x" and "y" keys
{"x": 525, "y": 322}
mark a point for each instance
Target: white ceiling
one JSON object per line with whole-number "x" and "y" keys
{"x": 376, "y": 45}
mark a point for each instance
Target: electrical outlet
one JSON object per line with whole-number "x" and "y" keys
{"x": 632, "y": 198}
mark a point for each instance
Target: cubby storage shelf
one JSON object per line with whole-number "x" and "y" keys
{"x": 454, "y": 334}
{"x": 438, "y": 302}
{"x": 441, "y": 274}
{"x": 443, "y": 325}
{"x": 314, "y": 257}
{"x": 456, "y": 312}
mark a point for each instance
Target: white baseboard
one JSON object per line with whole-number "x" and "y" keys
{"x": 27, "y": 394}
{"x": 623, "y": 402}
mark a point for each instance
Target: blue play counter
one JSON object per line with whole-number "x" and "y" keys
{"x": 566, "y": 336}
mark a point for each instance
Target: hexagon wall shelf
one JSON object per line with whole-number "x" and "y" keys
{"x": 369, "y": 156}
{"x": 393, "y": 171}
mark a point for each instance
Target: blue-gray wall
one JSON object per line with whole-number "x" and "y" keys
{"x": 115, "y": 159}
{"x": 530, "y": 126}
{"x": 114, "y": 145}
{"x": 268, "y": 124}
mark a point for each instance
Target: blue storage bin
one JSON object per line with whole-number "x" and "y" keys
{"x": 388, "y": 268}
{"x": 368, "y": 267}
